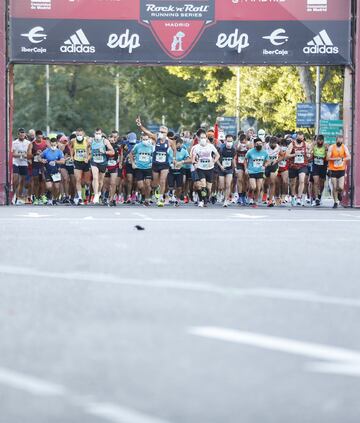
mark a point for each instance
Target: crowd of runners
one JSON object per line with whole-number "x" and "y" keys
{"x": 207, "y": 167}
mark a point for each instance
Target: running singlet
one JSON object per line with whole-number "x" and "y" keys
{"x": 256, "y": 160}
{"x": 37, "y": 149}
{"x": 80, "y": 150}
{"x": 20, "y": 147}
{"x": 226, "y": 157}
{"x": 300, "y": 160}
{"x": 284, "y": 163}
{"x": 242, "y": 149}
{"x": 273, "y": 154}
{"x": 143, "y": 154}
{"x": 98, "y": 151}
{"x": 127, "y": 148}
{"x": 67, "y": 154}
{"x": 161, "y": 153}
{"x": 205, "y": 156}
{"x": 51, "y": 156}
{"x": 319, "y": 155}
{"x": 180, "y": 156}
{"x": 338, "y": 153}
{"x": 113, "y": 161}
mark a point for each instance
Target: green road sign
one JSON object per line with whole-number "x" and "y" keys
{"x": 331, "y": 129}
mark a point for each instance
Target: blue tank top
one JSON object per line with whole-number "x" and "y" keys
{"x": 161, "y": 155}
{"x": 98, "y": 151}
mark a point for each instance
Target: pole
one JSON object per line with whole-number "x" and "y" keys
{"x": 237, "y": 110}
{"x": 47, "y": 71}
{"x": 117, "y": 103}
{"x": 318, "y": 101}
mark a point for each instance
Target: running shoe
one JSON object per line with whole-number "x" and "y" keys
{"x": 28, "y": 200}
{"x": 213, "y": 199}
{"x": 36, "y": 202}
{"x": 44, "y": 199}
{"x": 340, "y": 196}
{"x": 225, "y": 203}
{"x": 240, "y": 201}
{"x": 49, "y": 203}
{"x": 201, "y": 204}
{"x": 335, "y": 206}
{"x": 112, "y": 203}
{"x": 157, "y": 193}
{"x": 160, "y": 203}
{"x": 293, "y": 201}
{"x": 13, "y": 201}
{"x": 80, "y": 202}
{"x": 19, "y": 202}
{"x": 133, "y": 198}
{"x": 317, "y": 202}
{"x": 128, "y": 200}
{"x": 186, "y": 199}
{"x": 146, "y": 203}
{"x": 251, "y": 202}
{"x": 298, "y": 202}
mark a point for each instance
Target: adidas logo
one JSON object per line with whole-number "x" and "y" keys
{"x": 78, "y": 43}
{"x": 321, "y": 44}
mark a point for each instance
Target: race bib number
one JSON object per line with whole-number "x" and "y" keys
{"x": 52, "y": 163}
{"x": 160, "y": 157}
{"x": 69, "y": 162}
{"x": 227, "y": 162}
{"x": 241, "y": 159}
{"x": 258, "y": 163}
{"x": 143, "y": 157}
{"x": 204, "y": 163}
{"x": 80, "y": 154}
{"x": 282, "y": 163}
{"x": 318, "y": 161}
{"x": 338, "y": 163}
{"x": 36, "y": 159}
{"x": 299, "y": 159}
{"x": 56, "y": 177}
{"x": 112, "y": 162}
{"x": 98, "y": 158}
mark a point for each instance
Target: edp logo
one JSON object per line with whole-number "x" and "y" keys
{"x": 235, "y": 40}
{"x": 124, "y": 41}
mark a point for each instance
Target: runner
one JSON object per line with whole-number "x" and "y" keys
{"x": 337, "y": 157}
{"x": 271, "y": 170}
{"x": 255, "y": 163}
{"x": 20, "y": 166}
{"x": 242, "y": 148}
{"x": 319, "y": 167}
{"x": 112, "y": 176}
{"x": 53, "y": 158}
{"x": 176, "y": 174}
{"x": 67, "y": 170}
{"x": 283, "y": 172}
{"x": 297, "y": 153}
{"x": 101, "y": 148}
{"x": 203, "y": 157}
{"x": 35, "y": 150}
{"x": 227, "y": 166}
{"x": 161, "y": 158}
{"x": 128, "y": 145}
{"x": 80, "y": 154}
{"x": 141, "y": 158}
{"x": 186, "y": 169}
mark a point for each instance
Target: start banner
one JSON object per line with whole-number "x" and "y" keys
{"x": 189, "y": 32}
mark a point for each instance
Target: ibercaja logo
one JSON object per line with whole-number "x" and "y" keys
{"x": 177, "y": 25}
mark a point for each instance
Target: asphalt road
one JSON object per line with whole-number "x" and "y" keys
{"x": 205, "y": 316}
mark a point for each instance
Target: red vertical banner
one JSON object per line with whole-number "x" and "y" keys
{"x": 3, "y": 108}
{"x": 356, "y": 146}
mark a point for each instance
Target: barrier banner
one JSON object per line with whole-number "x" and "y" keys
{"x": 189, "y": 32}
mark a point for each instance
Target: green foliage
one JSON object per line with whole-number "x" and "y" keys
{"x": 183, "y": 96}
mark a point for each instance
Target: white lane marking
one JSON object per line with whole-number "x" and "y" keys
{"x": 117, "y": 414}
{"x": 29, "y": 384}
{"x": 34, "y": 215}
{"x": 248, "y": 216}
{"x": 338, "y": 357}
{"x": 88, "y": 218}
{"x": 142, "y": 216}
{"x": 107, "y": 411}
{"x": 352, "y": 369}
{"x": 184, "y": 220}
{"x": 277, "y": 294}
